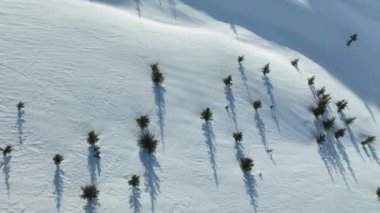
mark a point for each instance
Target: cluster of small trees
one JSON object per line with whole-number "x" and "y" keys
{"x": 147, "y": 141}
{"x": 323, "y": 100}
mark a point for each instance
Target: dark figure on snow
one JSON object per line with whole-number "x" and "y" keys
{"x": 353, "y": 38}
{"x": 240, "y": 59}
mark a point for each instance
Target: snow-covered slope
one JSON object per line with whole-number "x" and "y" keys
{"x": 84, "y": 65}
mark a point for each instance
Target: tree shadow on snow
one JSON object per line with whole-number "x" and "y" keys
{"x": 249, "y": 179}
{"x": 208, "y": 132}
{"x": 159, "y": 100}
{"x": 19, "y": 124}
{"x": 313, "y": 91}
{"x": 93, "y": 164}
{"x": 245, "y": 81}
{"x": 269, "y": 86}
{"x": 351, "y": 134}
{"x": 342, "y": 151}
{"x": 152, "y": 181}
{"x": 138, "y": 6}
{"x": 250, "y": 187}
{"x": 261, "y": 128}
{"x": 58, "y": 187}
{"x": 231, "y": 103}
{"x": 6, "y": 170}
{"x": 91, "y": 206}
{"x": 330, "y": 155}
{"x": 373, "y": 153}
{"x": 173, "y": 10}
{"x": 234, "y": 30}
{"x": 134, "y": 200}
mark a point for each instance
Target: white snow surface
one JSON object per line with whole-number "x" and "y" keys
{"x": 85, "y": 65}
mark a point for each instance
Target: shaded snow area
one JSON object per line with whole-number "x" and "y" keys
{"x": 82, "y": 66}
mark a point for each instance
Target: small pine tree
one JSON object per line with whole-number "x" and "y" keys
{"x": 321, "y": 91}
{"x": 310, "y": 81}
{"x": 368, "y": 140}
{"x": 323, "y": 102}
{"x": 20, "y": 105}
{"x": 256, "y": 105}
{"x": 265, "y": 70}
{"x": 319, "y": 110}
{"x": 92, "y": 138}
{"x": 157, "y": 76}
{"x": 148, "y": 142}
{"x": 340, "y": 133}
{"x": 7, "y": 150}
{"x": 295, "y": 63}
{"x": 134, "y": 181}
{"x": 228, "y": 81}
{"x": 325, "y": 98}
{"x": 329, "y": 123}
{"x": 238, "y": 136}
{"x": 240, "y": 59}
{"x": 57, "y": 159}
{"x": 246, "y": 164}
{"x": 341, "y": 105}
{"x": 143, "y": 121}
{"x": 206, "y": 115}
{"x": 320, "y": 139}
{"x": 89, "y": 192}
{"x": 349, "y": 120}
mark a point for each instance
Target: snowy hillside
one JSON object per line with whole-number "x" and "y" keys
{"x": 85, "y": 65}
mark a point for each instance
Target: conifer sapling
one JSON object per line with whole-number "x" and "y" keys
{"x": 89, "y": 192}
{"x": 134, "y": 181}
{"x": 339, "y": 133}
{"x": 240, "y": 59}
{"x": 349, "y": 120}
{"x": 157, "y": 76}
{"x": 20, "y": 105}
{"x": 265, "y": 70}
{"x": 310, "y": 81}
{"x": 246, "y": 164}
{"x": 206, "y": 115}
{"x": 328, "y": 124}
{"x": 295, "y": 63}
{"x": 238, "y": 136}
{"x": 368, "y": 140}
{"x": 227, "y": 81}
{"x": 321, "y": 91}
{"x": 7, "y": 150}
{"x": 92, "y": 138}
{"x": 256, "y": 104}
{"x": 148, "y": 142}
{"x": 57, "y": 159}
{"x": 143, "y": 121}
